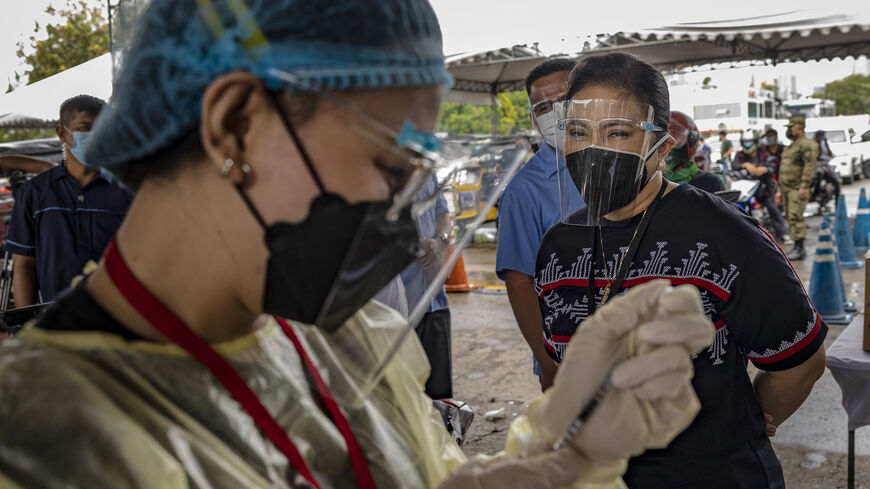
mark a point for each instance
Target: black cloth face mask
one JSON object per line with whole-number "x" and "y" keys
{"x": 322, "y": 270}
{"x": 606, "y": 179}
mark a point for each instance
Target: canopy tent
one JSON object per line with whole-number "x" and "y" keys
{"x": 36, "y": 105}
{"x": 480, "y": 77}
{"x": 801, "y": 35}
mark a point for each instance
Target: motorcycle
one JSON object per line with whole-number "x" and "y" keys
{"x": 743, "y": 192}
{"x": 826, "y": 186}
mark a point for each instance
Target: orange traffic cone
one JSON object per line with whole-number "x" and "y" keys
{"x": 457, "y": 281}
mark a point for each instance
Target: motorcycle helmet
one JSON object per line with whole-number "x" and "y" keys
{"x": 685, "y": 132}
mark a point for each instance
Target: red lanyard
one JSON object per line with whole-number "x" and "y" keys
{"x": 168, "y": 324}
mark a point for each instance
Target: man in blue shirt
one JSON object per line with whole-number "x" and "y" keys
{"x": 529, "y": 207}
{"x": 433, "y": 227}
{"x": 65, "y": 216}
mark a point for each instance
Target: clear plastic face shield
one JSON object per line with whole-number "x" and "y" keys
{"x": 437, "y": 213}
{"x": 541, "y": 105}
{"x": 396, "y": 250}
{"x": 602, "y": 150}
{"x": 405, "y": 247}
{"x": 325, "y": 270}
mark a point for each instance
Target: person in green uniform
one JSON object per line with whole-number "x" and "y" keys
{"x": 795, "y": 178}
{"x": 727, "y": 147}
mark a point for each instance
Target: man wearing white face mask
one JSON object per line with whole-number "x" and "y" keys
{"x": 530, "y": 206}
{"x": 65, "y": 216}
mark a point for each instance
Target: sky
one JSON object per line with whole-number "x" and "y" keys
{"x": 16, "y": 25}
{"x": 558, "y": 26}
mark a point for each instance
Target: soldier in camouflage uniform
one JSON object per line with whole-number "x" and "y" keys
{"x": 796, "y": 173}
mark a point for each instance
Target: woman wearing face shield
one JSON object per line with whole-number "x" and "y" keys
{"x": 637, "y": 227}
{"x": 227, "y": 338}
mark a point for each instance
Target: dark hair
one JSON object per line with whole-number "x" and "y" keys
{"x": 723, "y": 133}
{"x": 771, "y": 131}
{"x": 548, "y": 67}
{"x": 628, "y": 73}
{"x": 80, "y": 103}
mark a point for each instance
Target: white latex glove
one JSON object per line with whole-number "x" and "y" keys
{"x": 645, "y": 338}
{"x": 548, "y": 470}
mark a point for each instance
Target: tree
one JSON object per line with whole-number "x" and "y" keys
{"x": 507, "y": 115}
{"x": 511, "y": 116}
{"x": 773, "y": 87}
{"x": 851, "y": 94}
{"x": 521, "y": 102}
{"x": 82, "y": 36}
{"x": 7, "y": 135}
{"x": 464, "y": 119}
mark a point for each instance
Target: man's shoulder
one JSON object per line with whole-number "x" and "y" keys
{"x": 541, "y": 166}
{"x": 45, "y": 177}
{"x": 41, "y": 184}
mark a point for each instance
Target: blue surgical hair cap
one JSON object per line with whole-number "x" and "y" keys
{"x": 181, "y": 46}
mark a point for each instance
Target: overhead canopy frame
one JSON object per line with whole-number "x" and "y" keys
{"x": 480, "y": 77}
{"x": 801, "y": 35}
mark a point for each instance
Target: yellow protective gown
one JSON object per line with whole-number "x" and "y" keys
{"x": 92, "y": 410}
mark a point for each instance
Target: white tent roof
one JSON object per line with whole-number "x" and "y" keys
{"x": 481, "y": 76}
{"x": 37, "y": 104}
{"x": 801, "y": 35}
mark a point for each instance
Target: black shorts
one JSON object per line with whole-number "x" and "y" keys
{"x": 751, "y": 466}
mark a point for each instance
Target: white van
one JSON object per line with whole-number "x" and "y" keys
{"x": 844, "y": 133}
{"x": 861, "y": 148}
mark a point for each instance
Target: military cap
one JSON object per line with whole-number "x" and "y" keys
{"x": 796, "y": 120}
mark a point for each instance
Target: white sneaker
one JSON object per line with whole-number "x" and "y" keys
{"x": 787, "y": 241}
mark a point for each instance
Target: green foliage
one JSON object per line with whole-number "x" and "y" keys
{"x": 464, "y": 119}
{"x": 520, "y": 101}
{"x": 8, "y": 135}
{"x": 82, "y": 36}
{"x": 851, "y": 94}
{"x": 773, "y": 87}
{"x": 511, "y": 116}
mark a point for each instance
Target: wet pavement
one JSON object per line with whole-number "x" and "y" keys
{"x": 492, "y": 371}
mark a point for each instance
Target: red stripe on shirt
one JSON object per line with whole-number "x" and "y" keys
{"x": 697, "y": 282}
{"x": 794, "y": 349}
{"x": 561, "y": 338}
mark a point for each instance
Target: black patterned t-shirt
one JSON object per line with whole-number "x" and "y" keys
{"x": 748, "y": 288}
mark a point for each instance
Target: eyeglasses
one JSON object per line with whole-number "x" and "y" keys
{"x": 614, "y": 131}
{"x": 417, "y": 153}
{"x": 545, "y": 106}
